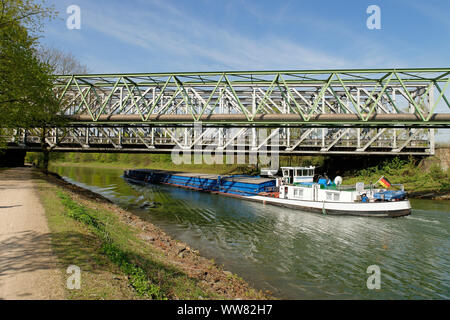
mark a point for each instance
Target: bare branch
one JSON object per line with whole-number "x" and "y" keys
{"x": 62, "y": 63}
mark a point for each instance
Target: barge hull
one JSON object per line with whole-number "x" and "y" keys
{"x": 388, "y": 209}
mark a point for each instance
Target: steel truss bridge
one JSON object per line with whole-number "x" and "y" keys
{"x": 374, "y": 111}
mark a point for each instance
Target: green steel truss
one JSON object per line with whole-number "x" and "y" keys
{"x": 370, "y": 97}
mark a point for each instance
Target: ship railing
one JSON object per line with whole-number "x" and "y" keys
{"x": 346, "y": 188}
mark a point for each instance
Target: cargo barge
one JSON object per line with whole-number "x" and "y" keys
{"x": 239, "y": 185}
{"x": 295, "y": 189}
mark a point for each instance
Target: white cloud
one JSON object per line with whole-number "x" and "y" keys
{"x": 170, "y": 32}
{"x": 174, "y": 40}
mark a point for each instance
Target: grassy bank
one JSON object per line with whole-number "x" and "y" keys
{"x": 123, "y": 257}
{"x": 161, "y": 161}
{"x": 411, "y": 173}
{"x": 74, "y": 244}
{"x": 126, "y": 161}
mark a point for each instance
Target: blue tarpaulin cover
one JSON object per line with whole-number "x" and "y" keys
{"x": 390, "y": 195}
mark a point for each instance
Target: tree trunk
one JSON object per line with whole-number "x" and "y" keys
{"x": 45, "y": 151}
{"x": 46, "y": 160}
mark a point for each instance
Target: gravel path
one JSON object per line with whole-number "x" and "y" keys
{"x": 28, "y": 268}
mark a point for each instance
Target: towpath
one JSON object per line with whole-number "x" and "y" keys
{"x": 28, "y": 268}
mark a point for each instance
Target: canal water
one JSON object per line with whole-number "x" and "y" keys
{"x": 295, "y": 254}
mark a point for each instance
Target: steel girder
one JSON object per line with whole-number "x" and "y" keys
{"x": 199, "y": 139}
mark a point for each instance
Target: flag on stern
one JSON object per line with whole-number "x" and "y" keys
{"x": 384, "y": 182}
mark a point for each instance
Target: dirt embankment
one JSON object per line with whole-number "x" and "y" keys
{"x": 211, "y": 276}
{"x": 429, "y": 195}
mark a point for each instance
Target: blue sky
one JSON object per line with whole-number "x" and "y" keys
{"x": 210, "y": 35}
{"x": 157, "y": 35}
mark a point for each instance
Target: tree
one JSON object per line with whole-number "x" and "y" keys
{"x": 27, "y": 99}
{"x": 26, "y": 83}
{"x": 26, "y": 96}
{"x": 61, "y": 62}
{"x": 24, "y": 12}
{"x": 27, "y": 70}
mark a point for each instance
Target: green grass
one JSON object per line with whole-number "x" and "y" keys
{"x": 74, "y": 244}
{"x": 115, "y": 262}
{"x": 220, "y": 169}
{"x": 159, "y": 161}
{"x": 136, "y": 275}
{"x": 126, "y": 161}
{"x": 406, "y": 172}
